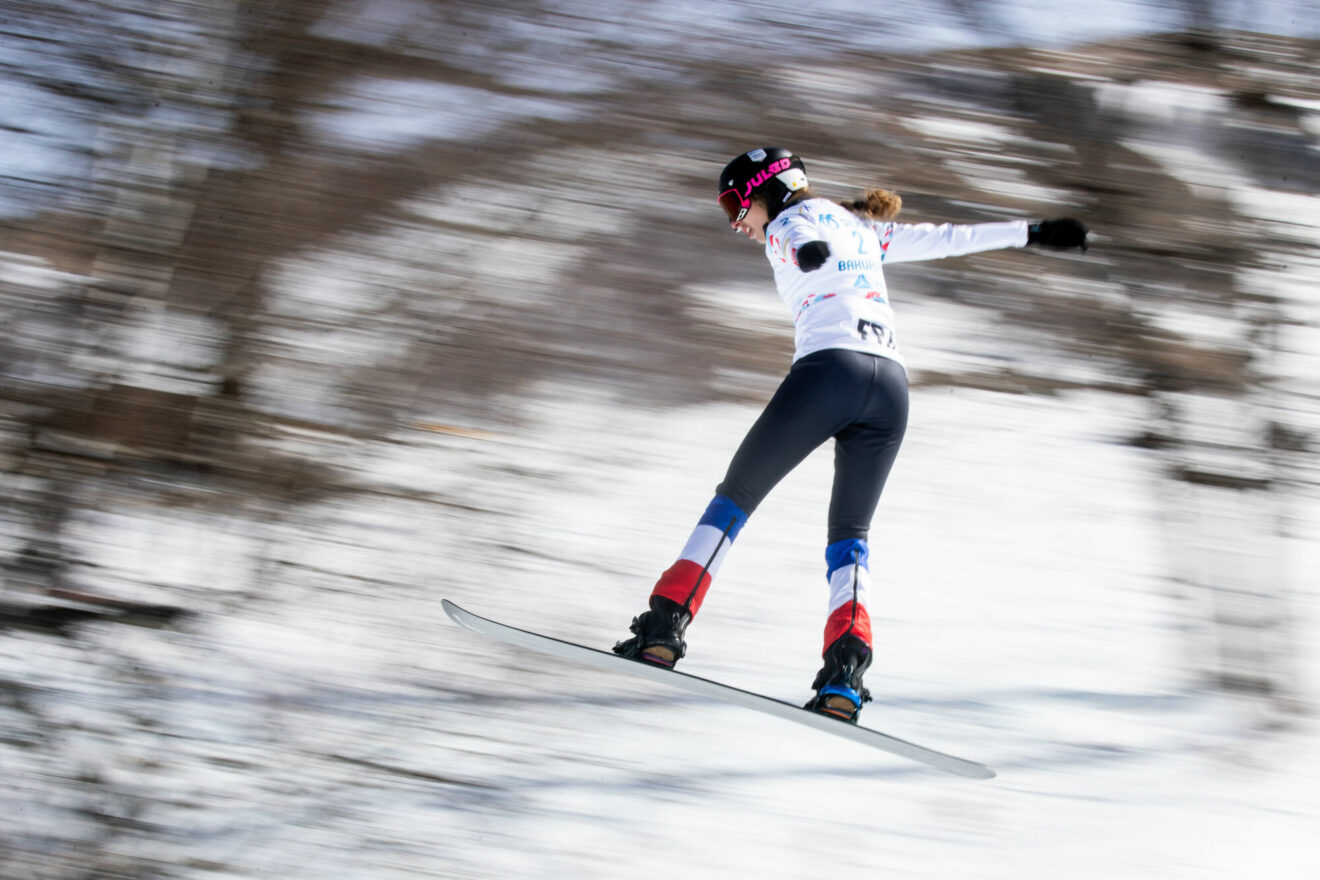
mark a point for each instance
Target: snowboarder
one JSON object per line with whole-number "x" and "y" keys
{"x": 847, "y": 381}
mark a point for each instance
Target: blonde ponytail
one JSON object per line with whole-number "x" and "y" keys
{"x": 878, "y": 204}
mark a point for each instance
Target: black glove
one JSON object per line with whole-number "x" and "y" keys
{"x": 812, "y": 255}
{"x": 1059, "y": 234}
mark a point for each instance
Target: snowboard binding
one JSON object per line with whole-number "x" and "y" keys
{"x": 658, "y": 634}
{"x": 838, "y": 685}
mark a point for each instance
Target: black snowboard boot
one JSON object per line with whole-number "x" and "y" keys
{"x": 658, "y": 635}
{"x": 838, "y": 685}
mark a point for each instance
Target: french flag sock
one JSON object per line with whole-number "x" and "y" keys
{"x": 688, "y": 579}
{"x": 849, "y": 576}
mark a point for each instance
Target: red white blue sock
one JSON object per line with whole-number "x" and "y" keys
{"x": 688, "y": 579}
{"x": 849, "y": 576}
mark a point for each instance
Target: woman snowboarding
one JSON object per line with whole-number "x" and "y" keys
{"x": 847, "y": 381}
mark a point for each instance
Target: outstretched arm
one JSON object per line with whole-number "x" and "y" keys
{"x": 903, "y": 242}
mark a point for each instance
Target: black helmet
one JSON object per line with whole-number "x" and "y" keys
{"x": 772, "y": 171}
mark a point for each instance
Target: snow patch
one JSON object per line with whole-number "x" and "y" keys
{"x": 383, "y": 115}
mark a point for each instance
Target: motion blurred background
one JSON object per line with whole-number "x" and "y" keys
{"x": 317, "y": 311}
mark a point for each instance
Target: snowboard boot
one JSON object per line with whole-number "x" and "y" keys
{"x": 838, "y": 685}
{"x": 658, "y": 635}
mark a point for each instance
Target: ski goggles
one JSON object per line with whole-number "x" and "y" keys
{"x": 734, "y": 205}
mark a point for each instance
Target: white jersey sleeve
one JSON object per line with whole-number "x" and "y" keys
{"x": 907, "y": 242}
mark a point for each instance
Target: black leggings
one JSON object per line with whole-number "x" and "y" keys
{"x": 861, "y": 400}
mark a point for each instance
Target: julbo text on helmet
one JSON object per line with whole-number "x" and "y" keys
{"x": 773, "y": 172}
